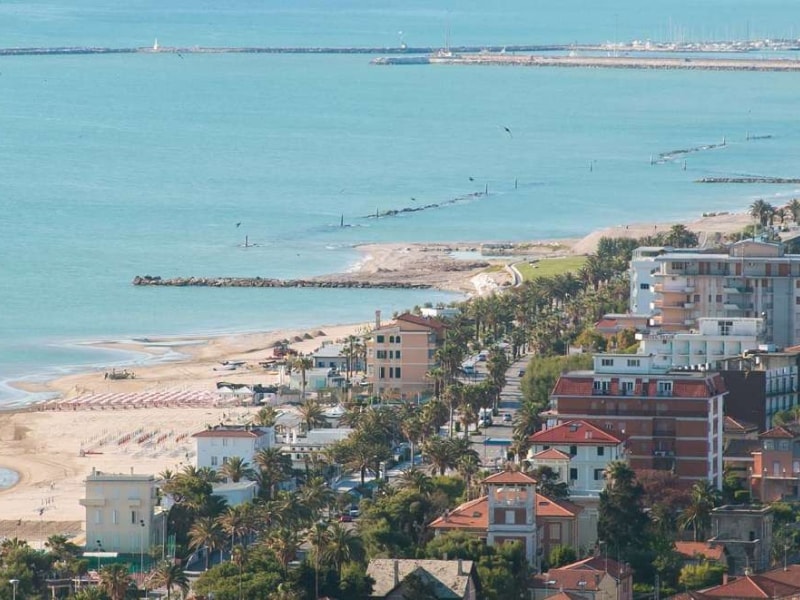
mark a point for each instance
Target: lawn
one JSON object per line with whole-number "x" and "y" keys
{"x": 548, "y": 267}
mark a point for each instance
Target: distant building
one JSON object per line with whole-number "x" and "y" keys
{"x": 782, "y": 583}
{"x": 700, "y": 552}
{"x": 335, "y": 356}
{"x": 304, "y": 449}
{"x": 670, "y": 420}
{"x": 775, "y": 473}
{"x": 121, "y": 512}
{"x": 236, "y": 493}
{"x": 579, "y": 452}
{"x": 746, "y": 533}
{"x": 752, "y": 279}
{"x": 594, "y": 578}
{"x": 217, "y": 444}
{"x": 401, "y": 353}
{"x": 446, "y": 579}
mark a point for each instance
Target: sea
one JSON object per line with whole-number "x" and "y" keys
{"x": 116, "y": 165}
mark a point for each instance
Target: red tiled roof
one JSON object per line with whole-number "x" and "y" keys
{"x": 684, "y": 384}
{"x": 595, "y": 563}
{"x": 734, "y": 426}
{"x": 510, "y": 478}
{"x": 474, "y": 515}
{"x": 789, "y": 576}
{"x": 230, "y": 433}
{"x": 575, "y": 432}
{"x": 704, "y": 549}
{"x": 566, "y": 596}
{"x": 752, "y": 586}
{"x": 580, "y": 580}
{"x": 778, "y": 433}
{"x": 424, "y": 321}
{"x": 550, "y": 454}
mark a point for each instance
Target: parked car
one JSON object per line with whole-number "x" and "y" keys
{"x": 354, "y": 512}
{"x": 507, "y": 418}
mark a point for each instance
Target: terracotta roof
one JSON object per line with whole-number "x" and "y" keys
{"x": 790, "y": 575}
{"x": 449, "y": 578}
{"x": 231, "y": 432}
{"x": 752, "y": 586}
{"x": 595, "y": 563}
{"x": 583, "y": 580}
{"x": 732, "y": 425}
{"x": 709, "y": 551}
{"x": 425, "y": 321}
{"x": 575, "y": 432}
{"x": 685, "y": 384}
{"x": 550, "y": 454}
{"x": 566, "y": 596}
{"x": 779, "y": 432}
{"x": 510, "y": 478}
{"x": 474, "y": 515}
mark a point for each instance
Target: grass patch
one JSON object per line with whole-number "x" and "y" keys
{"x": 494, "y": 268}
{"x": 548, "y": 267}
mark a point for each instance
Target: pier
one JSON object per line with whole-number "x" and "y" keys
{"x": 261, "y": 282}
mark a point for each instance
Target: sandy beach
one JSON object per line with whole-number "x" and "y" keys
{"x": 54, "y": 450}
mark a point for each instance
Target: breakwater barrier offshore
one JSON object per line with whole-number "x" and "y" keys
{"x": 263, "y": 282}
{"x": 790, "y": 180}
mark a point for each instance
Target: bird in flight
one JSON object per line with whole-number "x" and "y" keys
{"x": 239, "y": 223}
{"x": 508, "y": 131}
{"x": 472, "y": 179}
{"x": 413, "y": 199}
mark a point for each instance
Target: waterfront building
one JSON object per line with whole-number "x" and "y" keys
{"x": 753, "y": 279}
{"x": 121, "y": 513}
{"x": 670, "y": 420}
{"x": 401, "y": 353}
{"x": 218, "y": 444}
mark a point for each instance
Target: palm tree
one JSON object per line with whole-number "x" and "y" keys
{"x": 273, "y": 467}
{"x": 265, "y": 417}
{"x": 236, "y": 521}
{"x": 90, "y": 593}
{"x": 284, "y": 543}
{"x": 302, "y": 364}
{"x": 704, "y": 498}
{"x": 416, "y": 479}
{"x": 115, "y": 580}
{"x": 311, "y": 412}
{"x": 170, "y": 575}
{"x": 794, "y": 208}
{"x": 342, "y": 545}
{"x": 316, "y": 494}
{"x": 761, "y": 211}
{"x": 206, "y": 533}
{"x": 236, "y": 468}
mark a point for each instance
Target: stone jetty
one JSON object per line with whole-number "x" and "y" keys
{"x": 262, "y": 282}
{"x": 790, "y": 180}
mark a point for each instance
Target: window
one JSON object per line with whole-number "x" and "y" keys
{"x": 601, "y": 386}
{"x": 664, "y": 388}
{"x": 573, "y": 474}
{"x": 724, "y": 327}
{"x": 573, "y": 450}
{"x": 380, "y": 339}
{"x": 510, "y": 517}
{"x": 225, "y": 460}
{"x": 607, "y": 362}
{"x": 633, "y": 362}
{"x": 644, "y": 286}
{"x": 98, "y": 517}
{"x": 678, "y": 266}
{"x": 114, "y": 516}
{"x": 397, "y": 339}
{"x": 225, "y": 441}
{"x": 599, "y": 474}
{"x": 626, "y": 387}
{"x": 697, "y": 297}
{"x": 394, "y": 372}
{"x": 719, "y": 298}
{"x": 214, "y": 461}
{"x": 380, "y": 354}
{"x": 382, "y": 373}
{"x": 601, "y": 451}
{"x": 133, "y": 517}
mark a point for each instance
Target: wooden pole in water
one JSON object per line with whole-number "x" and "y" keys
{"x": 246, "y": 243}
{"x": 486, "y": 190}
{"x": 515, "y": 182}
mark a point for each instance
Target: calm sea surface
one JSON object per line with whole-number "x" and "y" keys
{"x": 117, "y": 165}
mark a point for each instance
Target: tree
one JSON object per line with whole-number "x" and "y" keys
{"x": 549, "y": 484}
{"x": 680, "y": 237}
{"x": 265, "y": 417}
{"x": 341, "y": 546}
{"x": 170, "y": 575}
{"x": 273, "y": 467}
{"x": 622, "y": 522}
{"x": 206, "y": 533}
{"x": 762, "y": 211}
{"x": 115, "y": 580}
{"x": 285, "y": 543}
{"x": 312, "y": 414}
{"x": 561, "y": 555}
{"x": 236, "y": 468}
{"x": 302, "y": 364}
{"x": 701, "y": 575}
{"x": 704, "y": 498}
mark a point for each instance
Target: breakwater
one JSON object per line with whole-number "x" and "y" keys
{"x": 611, "y": 62}
{"x": 792, "y": 180}
{"x": 264, "y": 282}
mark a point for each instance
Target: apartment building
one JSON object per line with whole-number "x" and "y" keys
{"x": 775, "y": 474}
{"x": 121, "y": 513}
{"x": 216, "y": 445}
{"x": 751, "y": 279}
{"x": 671, "y": 420}
{"x": 400, "y": 354}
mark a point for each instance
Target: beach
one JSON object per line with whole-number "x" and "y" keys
{"x": 144, "y": 423}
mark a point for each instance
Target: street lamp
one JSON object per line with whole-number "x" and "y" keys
{"x": 141, "y": 546}
{"x": 14, "y": 583}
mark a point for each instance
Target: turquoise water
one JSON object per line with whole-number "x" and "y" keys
{"x": 112, "y": 166}
{"x": 8, "y": 478}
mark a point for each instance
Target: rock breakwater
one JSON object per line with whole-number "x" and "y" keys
{"x": 264, "y": 282}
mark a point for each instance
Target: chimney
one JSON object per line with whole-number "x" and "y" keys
{"x": 396, "y": 565}
{"x": 377, "y": 319}
{"x": 460, "y": 568}
{"x": 725, "y": 578}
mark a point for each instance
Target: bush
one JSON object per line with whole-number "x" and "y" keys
{"x": 741, "y": 497}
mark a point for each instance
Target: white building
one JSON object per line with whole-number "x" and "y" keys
{"x": 216, "y": 445}
{"x": 236, "y": 493}
{"x": 302, "y": 449}
{"x": 121, "y": 512}
{"x": 708, "y": 344}
{"x": 579, "y": 452}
